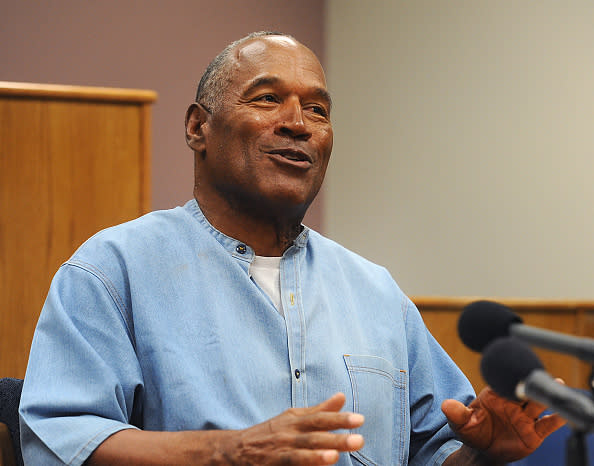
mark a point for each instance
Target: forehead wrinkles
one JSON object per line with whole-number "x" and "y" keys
{"x": 270, "y": 57}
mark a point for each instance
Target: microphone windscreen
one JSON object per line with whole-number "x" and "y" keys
{"x": 481, "y": 322}
{"x": 506, "y": 362}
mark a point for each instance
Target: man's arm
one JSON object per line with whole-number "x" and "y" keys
{"x": 467, "y": 456}
{"x": 299, "y": 436}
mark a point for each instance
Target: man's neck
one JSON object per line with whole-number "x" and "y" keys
{"x": 267, "y": 235}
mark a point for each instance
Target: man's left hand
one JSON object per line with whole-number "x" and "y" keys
{"x": 503, "y": 430}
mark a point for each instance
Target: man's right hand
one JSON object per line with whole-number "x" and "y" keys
{"x": 298, "y": 436}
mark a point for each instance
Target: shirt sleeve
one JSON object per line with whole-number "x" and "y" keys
{"x": 434, "y": 377}
{"x": 83, "y": 374}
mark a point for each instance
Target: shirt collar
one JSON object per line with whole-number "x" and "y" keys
{"x": 235, "y": 247}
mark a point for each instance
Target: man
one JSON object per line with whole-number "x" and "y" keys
{"x": 225, "y": 332}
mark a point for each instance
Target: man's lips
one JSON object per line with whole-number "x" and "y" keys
{"x": 294, "y": 155}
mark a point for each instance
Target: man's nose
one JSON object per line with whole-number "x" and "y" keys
{"x": 291, "y": 121}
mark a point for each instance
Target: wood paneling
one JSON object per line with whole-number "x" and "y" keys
{"x": 570, "y": 317}
{"x": 73, "y": 160}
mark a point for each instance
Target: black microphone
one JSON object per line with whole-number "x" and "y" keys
{"x": 512, "y": 369}
{"x": 481, "y": 322}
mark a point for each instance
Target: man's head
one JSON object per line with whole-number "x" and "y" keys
{"x": 261, "y": 128}
{"x": 215, "y": 78}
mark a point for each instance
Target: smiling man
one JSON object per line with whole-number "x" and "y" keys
{"x": 225, "y": 332}
{"x": 263, "y": 144}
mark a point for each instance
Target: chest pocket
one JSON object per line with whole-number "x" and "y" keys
{"x": 380, "y": 394}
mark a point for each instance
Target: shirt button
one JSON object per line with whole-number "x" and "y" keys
{"x": 297, "y": 373}
{"x": 241, "y": 248}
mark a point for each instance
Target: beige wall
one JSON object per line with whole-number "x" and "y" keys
{"x": 152, "y": 44}
{"x": 464, "y": 143}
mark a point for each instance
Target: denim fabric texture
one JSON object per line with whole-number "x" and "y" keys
{"x": 156, "y": 324}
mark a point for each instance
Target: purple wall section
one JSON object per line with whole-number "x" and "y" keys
{"x": 148, "y": 44}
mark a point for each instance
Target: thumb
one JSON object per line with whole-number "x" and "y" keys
{"x": 457, "y": 414}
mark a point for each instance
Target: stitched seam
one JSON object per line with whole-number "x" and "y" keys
{"x": 351, "y": 371}
{"x": 398, "y": 384}
{"x": 301, "y": 322}
{"x": 111, "y": 289}
{"x": 379, "y": 372}
{"x": 403, "y": 400}
{"x": 405, "y": 305}
{"x": 92, "y": 439}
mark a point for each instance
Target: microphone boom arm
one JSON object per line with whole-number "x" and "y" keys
{"x": 576, "y": 407}
{"x": 580, "y": 347}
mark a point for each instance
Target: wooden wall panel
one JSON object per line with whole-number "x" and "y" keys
{"x": 571, "y": 317}
{"x": 73, "y": 160}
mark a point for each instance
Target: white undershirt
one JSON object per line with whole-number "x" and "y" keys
{"x": 266, "y": 273}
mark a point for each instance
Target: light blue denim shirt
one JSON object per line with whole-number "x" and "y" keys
{"x": 156, "y": 324}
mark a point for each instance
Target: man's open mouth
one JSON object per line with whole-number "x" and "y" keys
{"x": 292, "y": 154}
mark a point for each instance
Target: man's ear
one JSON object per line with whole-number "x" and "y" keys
{"x": 196, "y": 117}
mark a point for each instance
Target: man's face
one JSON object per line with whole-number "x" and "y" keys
{"x": 268, "y": 145}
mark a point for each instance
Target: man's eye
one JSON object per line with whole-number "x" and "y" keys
{"x": 267, "y": 98}
{"x": 319, "y": 110}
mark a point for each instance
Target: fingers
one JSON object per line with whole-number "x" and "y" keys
{"x": 305, "y": 457}
{"x": 304, "y": 435}
{"x": 326, "y": 440}
{"x": 457, "y": 414}
{"x": 313, "y": 449}
{"x": 324, "y": 416}
{"x": 328, "y": 421}
{"x": 546, "y": 425}
{"x": 533, "y": 409}
{"x": 334, "y": 403}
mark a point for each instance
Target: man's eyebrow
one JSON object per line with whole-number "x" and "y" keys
{"x": 261, "y": 81}
{"x": 271, "y": 80}
{"x": 324, "y": 95}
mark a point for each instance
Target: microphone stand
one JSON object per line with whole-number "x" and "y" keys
{"x": 576, "y": 450}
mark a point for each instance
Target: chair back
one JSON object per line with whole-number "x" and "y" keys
{"x": 10, "y": 397}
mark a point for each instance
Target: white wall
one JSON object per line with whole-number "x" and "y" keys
{"x": 464, "y": 143}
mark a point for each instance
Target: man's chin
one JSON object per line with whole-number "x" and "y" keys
{"x": 282, "y": 206}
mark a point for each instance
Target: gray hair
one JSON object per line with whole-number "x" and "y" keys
{"x": 216, "y": 76}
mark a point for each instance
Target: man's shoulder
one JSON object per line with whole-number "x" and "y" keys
{"x": 151, "y": 232}
{"x": 339, "y": 264}
{"x": 332, "y": 249}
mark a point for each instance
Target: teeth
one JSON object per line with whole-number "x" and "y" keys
{"x": 294, "y": 157}
{"x": 291, "y": 156}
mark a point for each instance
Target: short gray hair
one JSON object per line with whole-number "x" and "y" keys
{"x": 215, "y": 78}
